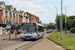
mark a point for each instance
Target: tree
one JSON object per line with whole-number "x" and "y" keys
{"x": 58, "y": 21}
{"x": 72, "y": 21}
{"x": 72, "y": 17}
{"x": 50, "y": 26}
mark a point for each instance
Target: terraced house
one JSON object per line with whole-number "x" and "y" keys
{"x": 10, "y": 14}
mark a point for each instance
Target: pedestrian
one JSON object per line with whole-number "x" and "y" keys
{"x": 8, "y": 31}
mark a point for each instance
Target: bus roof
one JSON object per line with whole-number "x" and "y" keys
{"x": 33, "y": 23}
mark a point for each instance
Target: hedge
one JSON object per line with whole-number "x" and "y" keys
{"x": 72, "y": 30}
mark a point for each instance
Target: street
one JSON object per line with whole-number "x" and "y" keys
{"x": 23, "y": 45}
{"x": 37, "y": 25}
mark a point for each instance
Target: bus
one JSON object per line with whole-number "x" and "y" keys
{"x": 32, "y": 31}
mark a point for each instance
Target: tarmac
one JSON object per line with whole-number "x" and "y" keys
{"x": 71, "y": 34}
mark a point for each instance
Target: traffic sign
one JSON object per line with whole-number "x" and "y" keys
{"x": 9, "y": 23}
{"x": 8, "y": 26}
{"x": 2, "y": 20}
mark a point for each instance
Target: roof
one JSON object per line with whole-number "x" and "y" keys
{"x": 1, "y": 2}
{"x": 8, "y": 6}
{"x": 17, "y": 12}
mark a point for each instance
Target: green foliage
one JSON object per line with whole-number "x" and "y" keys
{"x": 72, "y": 21}
{"x": 50, "y": 26}
{"x": 72, "y": 30}
{"x": 58, "y": 19}
{"x": 72, "y": 17}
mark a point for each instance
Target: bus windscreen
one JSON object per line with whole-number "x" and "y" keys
{"x": 28, "y": 28}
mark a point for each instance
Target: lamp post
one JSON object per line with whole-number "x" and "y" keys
{"x": 61, "y": 23}
{"x": 65, "y": 22}
{"x": 56, "y": 17}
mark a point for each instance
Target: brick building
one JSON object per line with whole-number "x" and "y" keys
{"x": 10, "y": 14}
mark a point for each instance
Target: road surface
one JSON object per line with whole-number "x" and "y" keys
{"x": 21, "y": 44}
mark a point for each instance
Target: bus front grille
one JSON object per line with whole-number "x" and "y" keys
{"x": 27, "y": 36}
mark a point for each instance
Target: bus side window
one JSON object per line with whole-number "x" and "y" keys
{"x": 35, "y": 29}
{"x": 41, "y": 29}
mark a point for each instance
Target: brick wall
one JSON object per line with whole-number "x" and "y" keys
{"x": 0, "y": 16}
{"x": 20, "y": 20}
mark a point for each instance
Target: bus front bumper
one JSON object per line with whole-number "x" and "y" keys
{"x": 28, "y": 38}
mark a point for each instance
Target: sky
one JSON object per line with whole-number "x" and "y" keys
{"x": 45, "y": 9}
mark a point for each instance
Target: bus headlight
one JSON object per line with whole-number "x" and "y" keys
{"x": 34, "y": 36}
{"x": 21, "y": 36}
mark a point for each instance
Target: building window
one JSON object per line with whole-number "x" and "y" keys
{"x": 11, "y": 21}
{"x": 11, "y": 15}
{"x": 3, "y": 29}
{"x": 14, "y": 21}
{"x": 3, "y": 20}
{"x": 18, "y": 22}
{"x": 6, "y": 16}
{"x": 2, "y": 13}
{"x": 7, "y": 21}
{"x": 14, "y": 16}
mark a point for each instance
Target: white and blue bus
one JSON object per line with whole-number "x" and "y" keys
{"x": 32, "y": 31}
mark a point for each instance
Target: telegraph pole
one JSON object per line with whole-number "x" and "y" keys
{"x": 57, "y": 20}
{"x": 65, "y": 22}
{"x": 61, "y": 23}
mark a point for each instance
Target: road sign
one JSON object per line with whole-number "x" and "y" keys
{"x": 16, "y": 24}
{"x": 9, "y": 23}
{"x": 8, "y": 26}
{"x": 2, "y": 20}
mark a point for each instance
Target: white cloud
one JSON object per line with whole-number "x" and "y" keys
{"x": 26, "y": 5}
{"x": 73, "y": 9}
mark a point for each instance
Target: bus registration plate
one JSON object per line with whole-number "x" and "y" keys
{"x": 27, "y": 38}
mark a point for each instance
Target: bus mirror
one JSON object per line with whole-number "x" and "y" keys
{"x": 37, "y": 27}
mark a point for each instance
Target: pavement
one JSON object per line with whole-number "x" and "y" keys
{"x": 6, "y": 37}
{"x": 69, "y": 33}
{"x": 46, "y": 44}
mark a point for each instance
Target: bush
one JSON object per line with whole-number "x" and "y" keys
{"x": 72, "y": 30}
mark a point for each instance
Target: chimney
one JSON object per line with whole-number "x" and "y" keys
{"x": 21, "y": 11}
{"x": 14, "y": 8}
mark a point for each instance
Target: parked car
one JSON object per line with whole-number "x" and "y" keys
{"x": 51, "y": 30}
{"x": 18, "y": 31}
{"x": 48, "y": 31}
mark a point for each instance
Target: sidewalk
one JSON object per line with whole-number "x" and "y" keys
{"x": 69, "y": 33}
{"x": 6, "y": 34}
{"x": 6, "y": 37}
{"x": 46, "y": 45}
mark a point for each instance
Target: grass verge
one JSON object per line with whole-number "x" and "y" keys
{"x": 68, "y": 41}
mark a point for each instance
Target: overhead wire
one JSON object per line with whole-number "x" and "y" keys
{"x": 39, "y": 10}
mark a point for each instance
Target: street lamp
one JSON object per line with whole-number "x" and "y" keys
{"x": 56, "y": 17}
{"x": 61, "y": 23}
{"x": 65, "y": 22}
